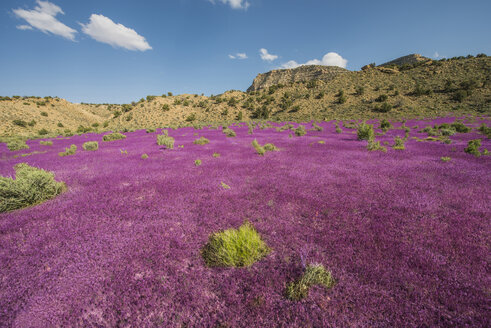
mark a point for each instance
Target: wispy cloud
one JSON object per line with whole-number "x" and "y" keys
{"x": 239, "y": 55}
{"x": 104, "y": 30}
{"x": 24, "y": 27}
{"x": 436, "y": 55}
{"x": 43, "y": 17}
{"x": 329, "y": 59}
{"x": 235, "y": 4}
{"x": 267, "y": 56}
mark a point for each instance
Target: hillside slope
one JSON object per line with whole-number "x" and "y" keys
{"x": 424, "y": 89}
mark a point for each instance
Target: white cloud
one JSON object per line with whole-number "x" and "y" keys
{"x": 43, "y": 17}
{"x": 104, "y": 30}
{"x": 239, "y": 55}
{"x": 267, "y": 56}
{"x": 329, "y": 59}
{"x": 24, "y": 27}
{"x": 235, "y": 4}
{"x": 436, "y": 54}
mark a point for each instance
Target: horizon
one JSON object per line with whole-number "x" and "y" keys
{"x": 119, "y": 52}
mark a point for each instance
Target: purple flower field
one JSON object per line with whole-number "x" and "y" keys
{"x": 406, "y": 236}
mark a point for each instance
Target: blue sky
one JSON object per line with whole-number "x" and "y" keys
{"x": 119, "y": 51}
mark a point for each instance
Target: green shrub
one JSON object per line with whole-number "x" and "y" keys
{"x": 317, "y": 127}
{"x": 113, "y": 136}
{"x": 235, "y": 247}
{"x": 365, "y": 132}
{"x": 31, "y": 186}
{"x": 32, "y": 123}
{"x": 191, "y": 117}
{"x": 315, "y": 274}
{"x": 473, "y": 147}
{"x": 44, "y": 114}
{"x": 150, "y": 130}
{"x": 383, "y": 108}
{"x": 43, "y": 132}
{"x": 46, "y": 143}
{"x": 486, "y": 130}
{"x": 69, "y": 151}
{"x": 95, "y": 125}
{"x": 144, "y": 156}
{"x": 359, "y": 90}
{"x": 216, "y": 155}
{"x": 17, "y": 144}
{"x": 20, "y": 123}
{"x": 398, "y": 144}
{"x": 60, "y": 125}
{"x": 382, "y": 98}
{"x": 385, "y": 125}
{"x": 197, "y": 162}
{"x": 461, "y": 127}
{"x": 90, "y": 145}
{"x": 164, "y": 140}
{"x": 300, "y": 131}
{"x": 445, "y": 159}
{"x": 201, "y": 141}
{"x": 259, "y": 149}
{"x": 375, "y": 145}
{"x": 270, "y": 147}
{"x": 229, "y": 132}
{"x": 460, "y": 95}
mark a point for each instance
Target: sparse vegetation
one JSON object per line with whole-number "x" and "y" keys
{"x": 300, "y": 130}
{"x": 46, "y": 143}
{"x": 229, "y": 132}
{"x": 165, "y": 140}
{"x": 68, "y": 151}
{"x": 365, "y": 132}
{"x": 473, "y": 147}
{"x": 201, "y": 141}
{"x": 314, "y": 274}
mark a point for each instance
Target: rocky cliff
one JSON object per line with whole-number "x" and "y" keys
{"x": 409, "y": 59}
{"x": 302, "y": 73}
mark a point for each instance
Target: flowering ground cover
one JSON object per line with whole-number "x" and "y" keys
{"x": 405, "y": 234}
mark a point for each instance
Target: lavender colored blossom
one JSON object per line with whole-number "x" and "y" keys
{"x": 406, "y": 236}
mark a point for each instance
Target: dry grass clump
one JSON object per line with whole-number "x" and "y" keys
{"x": 165, "y": 140}
{"x": 201, "y": 141}
{"x": 113, "y": 136}
{"x": 314, "y": 274}
{"x": 90, "y": 145}
{"x": 68, "y": 151}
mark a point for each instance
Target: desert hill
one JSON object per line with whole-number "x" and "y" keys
{"x": 426, "y": 88}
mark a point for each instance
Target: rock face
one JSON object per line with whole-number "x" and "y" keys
{"x": 302, "y": 73}
{"x": 409, "y": 59}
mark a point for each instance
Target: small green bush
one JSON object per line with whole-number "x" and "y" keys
{"x": 486, "y": 130}
{"x": 216, "y": 155}
{"x": 365, "y": 132}
{"x": 69, "y": 151}
{"x": 240, "y": 247}
{"x": 445, "y": 159}
{"x": 46, "y": 143}
{"x": 144, "y": 156}
{"x": 20, "y": 123}
{"x": 315, "y": 274}
{"x": 197, "y": 162}
{"x": 385, "y": 125}
{"x": 398, "y": 143}
{"x": 229, "y": 132}
{"x": 201, "y": 141}
{"x": 260, "y": 150}
{"x": 164, "y": 140}
{"x": 113, "y": 136}
{"x": 473, "y": 147}
{"x": 17, "y": 144}
{"x": 44, "y": 114}
{"x": 150, "y": 130}
{"x": 375, "y": 145}
{"x": 461, "y": 127}
{"x": 270, "y": 147}
{"x": 300, "y": 131}
{"x": 31, "y": 186}
{"x": 43, "y": 132}
{"x": 382, "y": 98}
{"x": 60, "y": 125}
{"x": 90, "y": 145}
{"x": 317, "y": 127}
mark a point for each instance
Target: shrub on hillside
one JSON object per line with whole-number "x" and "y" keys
{"x": 240, "y": 247}
{"x": 385, "y": 125}
{"x": 17, "y": 144}
{"x": 317, "y": 127}
{"x": 382, "y": 98}
{"x": 365, "y": 132}
{"x": 314, "y": 274}
{"x": 150, "y": 130}
{"x": 113, "y": 136}
{"x": 486, "y": 130}
{"x": 20, "y": 123}
{"x": 90, "y": 145}
{"x": 398, "y": 143}
{"x": 44, "y": 114}
{"x": 68, "y": 151}
{"x": 375, "y": 145}
{"x": 460, "y": 127}
{"x": 31, "y": 186}
{"x": 201, "y": 141}
{"x": 43, "y": 132}
{"x": 300, "y": 131}
{"x": 46, "y": 143}
{"x": 164, "y": 140}
{"x": 473, "y": 147}
{"x": 229, "y": 132}
{"x": 383, "y": 108}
